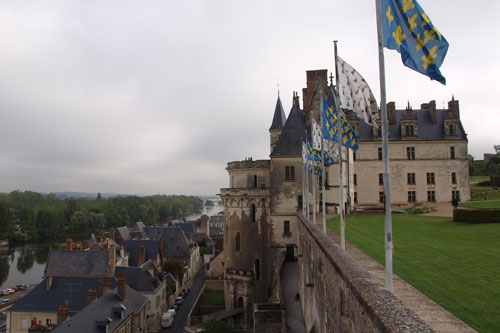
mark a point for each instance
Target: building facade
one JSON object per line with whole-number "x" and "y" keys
{"x": 428, "y": 161}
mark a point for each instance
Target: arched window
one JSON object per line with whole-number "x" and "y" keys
{"x": 237, "y": 241}
{"x": 240, "y": 302}
{"x": 253, "y": 210}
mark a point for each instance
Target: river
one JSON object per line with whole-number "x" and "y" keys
{"x": 25, "y": 263}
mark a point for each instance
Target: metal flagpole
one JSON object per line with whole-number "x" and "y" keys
{"x": 322, "y": 163}
{"x": 341, "y": 183}
{"x": 314, "y": 190}
{"x": 385, "y": 150}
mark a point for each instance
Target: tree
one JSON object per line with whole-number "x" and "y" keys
{"x": 472, "y": 167}
{"x": 6, "y": 226}
{"x": 48, "y": 224}
{"x": 27, "y": 222}
{"x": 175, "y": 268}
{"x": 497, "y": 149}
{"x": 99, "y": 198}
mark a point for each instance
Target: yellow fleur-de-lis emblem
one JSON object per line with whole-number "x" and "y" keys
{"x": 407, "y": 5}
{"x": 411, "y": 22}
{"x": 344, "y": 139}
{"x": 398, "y": 36}
{"x": 429, "y": 59}
{"x": 428, "y": 35}
{"x": 388, "y": 14}
{"x": 425, "y": 20}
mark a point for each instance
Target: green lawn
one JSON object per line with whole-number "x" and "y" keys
{"x": 482, "y": 204}
{"x": 475, "y": 196}
{"x": 212, "y": 298}
{"x": 455, "y": 264}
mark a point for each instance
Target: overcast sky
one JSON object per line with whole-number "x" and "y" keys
{"x": 144, "y": 97}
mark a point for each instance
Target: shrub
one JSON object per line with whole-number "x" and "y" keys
{"x": 477, "y": 215}
{"x": 421, "y": 208}
{"x": 484, "y": 183}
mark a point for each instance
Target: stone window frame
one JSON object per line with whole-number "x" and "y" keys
{"x": 381, "y": 197}
{"x": 380, "y": 153}
{"x": 290, "y": 173}
{"x": 431, "y": 196}
{"x": 431, "y": 178}
{"x": 381, "y": 179}
{"x": 455, "y": 194}
{"x": 411, "y": 179}
{"x": 454, "y": 178}
{"x": 410, "y": 130}
{"x": 410, "y": 153}
{"x": 452, "y": 153}
{"x": 355, "y": 179}
{"x": 355, "y": 197}
{"x": 253, "y": 213}
{"x": 286, "y": 228}
{"x": 412, "y": 196}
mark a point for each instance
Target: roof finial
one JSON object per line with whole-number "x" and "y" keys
{"x": 452, "y": 97}
{"x": 278, "y": 85}
{"x": 408, "y": 108}
{"x": 331, "y": 79}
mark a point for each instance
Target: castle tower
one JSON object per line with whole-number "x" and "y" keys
{"x": 248, "y": 275}
{"x": 278, "y": 123}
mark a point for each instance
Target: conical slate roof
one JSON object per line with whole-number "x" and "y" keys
{"x": 279, "y": 118}
{"x": 292, "y": 136}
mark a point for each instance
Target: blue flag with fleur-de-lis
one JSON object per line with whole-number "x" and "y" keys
{"x": 330, "y": 128}
{"x": 408, "y": 30}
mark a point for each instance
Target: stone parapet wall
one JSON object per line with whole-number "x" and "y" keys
{"x": 338, "y": 295}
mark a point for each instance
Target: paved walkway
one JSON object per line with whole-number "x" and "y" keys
{"x": 290, "y": 285}
{"x": 431, "y": 312}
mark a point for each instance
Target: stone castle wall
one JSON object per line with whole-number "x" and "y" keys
{"x": 338, "y": 295}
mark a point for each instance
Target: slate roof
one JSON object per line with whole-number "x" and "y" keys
{"x": 77, "y": 263}
{"x": 279, "y": 118}
{"x": 138, "y": 278}
{"x": 85, "y": 320}
{"x": 70, "y": 291}
{"x": 122, "y": 232}
{"x": 186, "y": 227}
{"x": 217, "y": 218}
{"x": 175, "y": 242}
{"x": 151, "y": 250}
{"x": 292, "y": 136}
{"x": 427, "y": 130}
{"x": 216, "y": 231}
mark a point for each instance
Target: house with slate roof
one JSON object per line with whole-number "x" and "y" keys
{"x": 120, "y": 310}
{"x": 151, "y": 283}
{"x": 144, "y": 250}
{"x": 177, "y": 247}
{"x": 428, "y": 161}
{"x": 43, "y": 301}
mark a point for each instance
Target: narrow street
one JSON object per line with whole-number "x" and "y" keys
{"x": 182, "y": 314}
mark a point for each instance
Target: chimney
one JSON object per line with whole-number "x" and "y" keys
{"x": 106, "y": 286}
{"x": 161, "y": 246}
{"x": 49, "y": 282}
{"x": 91, "y": 295}
{"x": 85, "y": 245}
{"x": 142, "y": 256}
{"x": 62, "y": 314}
{"x": 391, "y": 113}
{"x": 111, "y": 233}
{"x": 432, "y": 111}
{"x": 453, "y": 108}
{"x": 69, "y": 244}
{"x": 121, "y": 287}
{"x": 112, "y": 260}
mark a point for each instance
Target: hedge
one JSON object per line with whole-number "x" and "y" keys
{"x": 495, "y": 180}
{"x": 477, "y": 215}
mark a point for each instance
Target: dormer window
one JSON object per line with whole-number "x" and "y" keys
{"x": 451, "y": 129}
{"x": 410, "y": 130}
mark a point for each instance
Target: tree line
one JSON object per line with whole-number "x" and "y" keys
{"x": 27, "y": 215}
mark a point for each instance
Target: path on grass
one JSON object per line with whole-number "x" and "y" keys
{"x": 428, "y": 310}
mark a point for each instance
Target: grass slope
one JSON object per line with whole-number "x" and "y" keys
{"x": 455, "y": 264}
{"x": 482, "y": 204}
{"x": 212, "y": 298}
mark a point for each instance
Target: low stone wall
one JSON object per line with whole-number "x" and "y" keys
{"x": 214, "y": 284}
{"x": 269, "y": 318}
{"x": 338, "y": 295}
